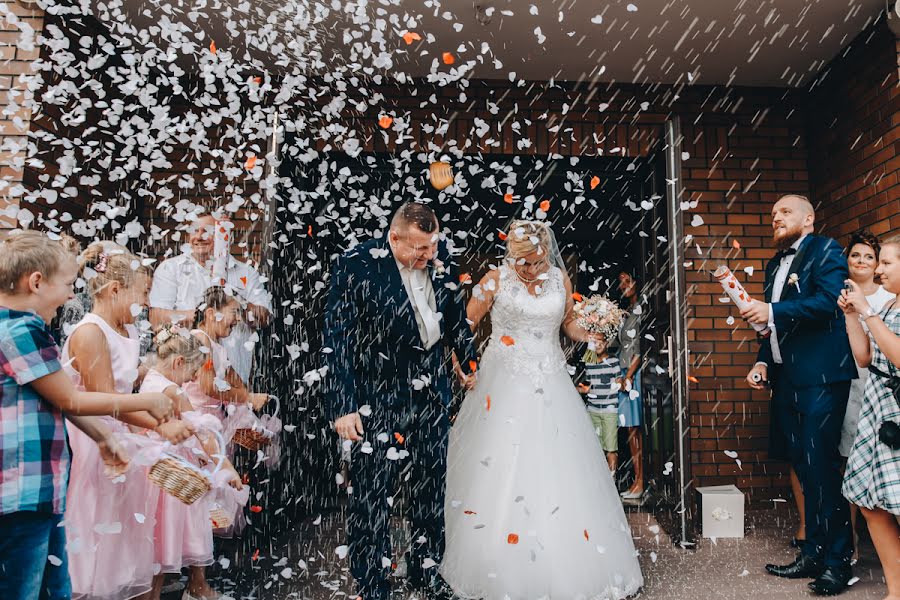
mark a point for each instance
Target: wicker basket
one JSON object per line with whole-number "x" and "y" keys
{"x": 181, "y": 479}
{"x": 254, "y": 439}
{"x": 219, "y": 518}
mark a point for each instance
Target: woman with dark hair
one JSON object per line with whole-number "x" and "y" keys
{"x": 631, "y": 405}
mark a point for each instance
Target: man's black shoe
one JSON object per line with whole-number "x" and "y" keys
{"x": 802, "y": 568}
{"x": 832, "y": 581}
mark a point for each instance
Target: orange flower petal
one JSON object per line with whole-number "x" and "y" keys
{"x": 256, "y": 508}
{"x": 448, "y": 58}
{"x": 693, "y": 379}
{"x": 385, "y": 121}
{"x": 473, "y": 366}
{"x": 487, "y": 402}
{"x": 577, "y": 297}
{"x": 512, "y": 539}
{"x": 251, "y": 162}
{"x": 595, "y": 181}
{"x": 584, "y": 388}
{"x": 258, "y": 80}
{"x": 735, "y": 244}
{"x": 544, "y": 205}
{"x": 411, "y": 36}
{"x": 212, "y": 47}
{"x": 502, "y": 236}
{"x": 255, "y": 555}
{"x": 309, "y": 231}
{"x": 508, "y": 341}
{"x": 465, "y": 278}
{"x": 243, "y": 280}
{"x": 508, "y": 198}
{"x": 208, "y": 365}
{"x": 586, "y": 536}
{"x": 469, "y": 512}
{"x": 400, "y": 439}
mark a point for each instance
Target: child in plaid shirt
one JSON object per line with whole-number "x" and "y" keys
{"x": 36, "y": 278}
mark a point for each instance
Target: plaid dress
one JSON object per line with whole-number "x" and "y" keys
{"x": 872, "y": 478}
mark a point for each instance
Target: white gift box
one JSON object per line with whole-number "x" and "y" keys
{"x": 722, "y": 511}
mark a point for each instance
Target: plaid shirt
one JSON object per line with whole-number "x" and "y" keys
{"x": 34, "y": 450}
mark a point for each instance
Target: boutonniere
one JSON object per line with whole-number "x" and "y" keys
{"x": 794, "y": 280}
{"x": 439, "y": 268}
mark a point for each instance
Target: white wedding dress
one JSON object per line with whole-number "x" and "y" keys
{"x": 532, "y": 510}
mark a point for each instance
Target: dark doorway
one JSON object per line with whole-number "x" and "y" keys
{"x": 606, "y": 212}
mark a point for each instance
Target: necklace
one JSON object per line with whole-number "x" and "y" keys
{"x": 523, "y": 279}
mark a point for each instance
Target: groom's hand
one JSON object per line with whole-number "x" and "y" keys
{"x": 349, "y": 427}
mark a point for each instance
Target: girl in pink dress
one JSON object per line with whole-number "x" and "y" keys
{"x": 183, "y": 535}
{"x": 218, "y": 389}
{"x": 109, "y": 523}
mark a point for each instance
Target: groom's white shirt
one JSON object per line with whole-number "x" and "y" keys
{"x": 421, "y": 296}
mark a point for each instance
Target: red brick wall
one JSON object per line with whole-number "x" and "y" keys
{"x": 854, "y": 137}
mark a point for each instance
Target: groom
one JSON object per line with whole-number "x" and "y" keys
{"x": 392, "y": 316}
{"x": 808, "y": 363}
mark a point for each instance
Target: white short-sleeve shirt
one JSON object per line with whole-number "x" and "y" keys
{"x": 179, "y": 283}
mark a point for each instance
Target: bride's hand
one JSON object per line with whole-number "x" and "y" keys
{"x": 467, "y": 382}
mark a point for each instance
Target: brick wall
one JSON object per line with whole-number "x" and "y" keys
{"x": 17, "y": 53}
{"x": 854, "y": 137}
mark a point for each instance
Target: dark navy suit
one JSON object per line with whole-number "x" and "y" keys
{"x": 377, "y": 359}
{"x": 811, "y": 386}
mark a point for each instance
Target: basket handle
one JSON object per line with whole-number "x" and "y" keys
{"x": 221, "y": 452}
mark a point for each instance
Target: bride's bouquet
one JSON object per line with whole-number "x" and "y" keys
{"x": 598, "y": 315}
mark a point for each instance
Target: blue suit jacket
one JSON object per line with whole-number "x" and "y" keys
{"x": 376, "y": 351}
{"x": 812, "y": 334}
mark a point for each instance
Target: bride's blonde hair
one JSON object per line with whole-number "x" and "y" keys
{"x": 525, "y": 237}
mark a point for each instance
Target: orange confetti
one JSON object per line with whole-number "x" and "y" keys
{"x": 245, "y": 479}
{"x": 512, "y": 539}
{"x": 507, "y": 341}
{"x": 473, "y": 366}
{"x": 411, "y": 36}
{"x": 586, "y": 536}
{"x": 465, "y": 278}
{"x": 255, "y": 555}
{"x": 577, "y": 297}
{"x": 448, "y": 58}
{"x": 258, "y": 80}
{"x": 735, "y": 244}
{"x": 502, "y": 236}
{"x": 400, "y": 439}
{"x": 208, "y": 365}
{"x": 488, "y": 402}
{"x": 309, "y": 231}
{"x": 583, "y": 388}
{"x": 385, "y": 121}
{"x": 243, "y": 280}
{"x": 544, "y": 205}
{"x": 251, "y": 162}
{"x": 693, "y": 379}
{"x": 256, "y": 508}
{"x": 469, "y": 512}
{"x": 212, "y": 47}
{"x": 595, "y": 181}
{"x": 508, "y": 198}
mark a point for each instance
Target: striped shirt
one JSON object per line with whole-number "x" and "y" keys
{"x": 34, "y": 450}
{"x": 603, "y": 396}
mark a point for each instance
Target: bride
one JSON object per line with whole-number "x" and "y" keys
{"x": 531, "y": 507}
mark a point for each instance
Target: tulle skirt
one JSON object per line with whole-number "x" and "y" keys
{"x": 532, "y": 510}
{"x": 109, "y": 523}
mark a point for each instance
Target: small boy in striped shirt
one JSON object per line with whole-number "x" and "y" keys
{"x": 603, "y": 401}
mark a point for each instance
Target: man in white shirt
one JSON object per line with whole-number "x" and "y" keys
{"x": 180, "y": 282}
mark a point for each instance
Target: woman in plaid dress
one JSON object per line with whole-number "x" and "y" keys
{"x": 872, "y": 479}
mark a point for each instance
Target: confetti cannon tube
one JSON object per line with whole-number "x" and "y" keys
{"x": 221, "y": 250}
{"x": 737, "y": 293}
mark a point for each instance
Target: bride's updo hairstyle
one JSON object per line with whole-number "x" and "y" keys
{"x": 525, "y": 237}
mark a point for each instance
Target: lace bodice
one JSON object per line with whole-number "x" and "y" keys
{"x": 525, "y": 326}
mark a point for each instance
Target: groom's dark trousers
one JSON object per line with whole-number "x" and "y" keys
{"x": 810, "y": 387}
{"x": 377, "y": 365}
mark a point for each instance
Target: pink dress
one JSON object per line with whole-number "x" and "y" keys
{"x": 183, "y": 536}
{"x": 109, "y": 523}
{"x": 232, "y": 416}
